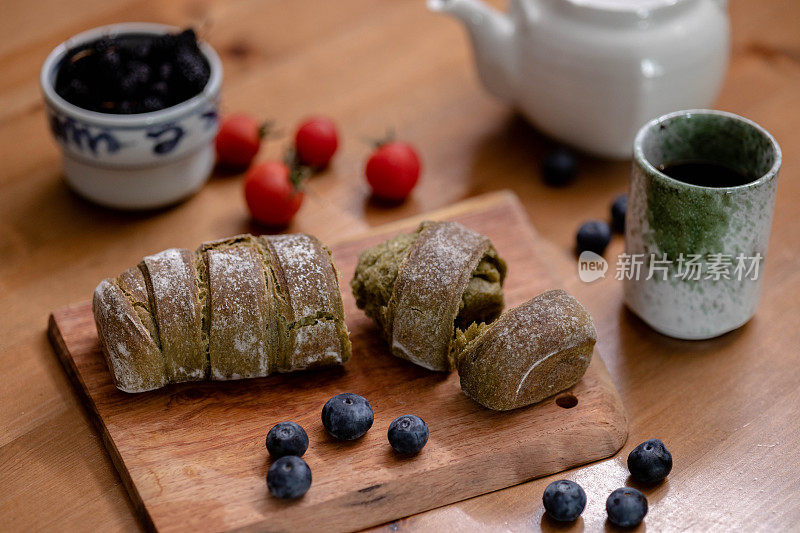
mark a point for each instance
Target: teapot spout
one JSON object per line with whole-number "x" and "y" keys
{"x": 492, "y": 34}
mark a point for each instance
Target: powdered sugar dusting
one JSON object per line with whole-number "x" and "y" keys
{"x": 238, "y": 334}
{"x": 170, "y": 283}
{"x": 428, "y": 291}
{"x": 308, "y": 273}
{"x": 177, "y": 308}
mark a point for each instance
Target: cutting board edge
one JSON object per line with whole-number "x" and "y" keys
{"x": 59, "y": 346}
{"x": 465, "y": 206}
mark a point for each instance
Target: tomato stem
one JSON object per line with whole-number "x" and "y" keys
{"x": 267, "y": 129}
{"x": 387, "y": 138}
{"x": 298, "y": 172}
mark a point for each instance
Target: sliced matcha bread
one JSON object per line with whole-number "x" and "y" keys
{"x": 531, "y": 352}
{"x": 236, "y": 308}
{"x": 424, "y": 288}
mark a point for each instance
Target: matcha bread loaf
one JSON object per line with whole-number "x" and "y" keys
{"x": 422, "y": 288}
{"x": 528, "y": 354}
{"x": 236, "y": 308}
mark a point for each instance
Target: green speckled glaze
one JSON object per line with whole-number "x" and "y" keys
{"x": 667, "y": 218}
{"x": 685, "y": 221}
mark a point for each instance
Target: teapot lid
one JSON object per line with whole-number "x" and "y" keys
{"x": 623, "y": 10}
{"x": 625, "y": 5}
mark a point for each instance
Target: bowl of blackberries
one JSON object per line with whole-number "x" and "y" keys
{"x": 133, "y": 107}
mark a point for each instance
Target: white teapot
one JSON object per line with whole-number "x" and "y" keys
{"x": 590, "y": 73}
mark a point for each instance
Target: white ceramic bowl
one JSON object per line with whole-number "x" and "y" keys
{"x": 138, "y": 161}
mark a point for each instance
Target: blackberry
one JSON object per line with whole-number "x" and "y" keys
{"x": 133, "y": 73}
{"x": 152, "y": 103}
{"x": 165, "y": 70}
{"x": 193, "y": 70}
{"x": 160, "y": 88}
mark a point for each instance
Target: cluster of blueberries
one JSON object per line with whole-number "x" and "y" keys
{"x": 133, "y": 73}
{"x": 558, "y": 169}
{"x": 649, "y": 463}
{"x": 346, "y": 416}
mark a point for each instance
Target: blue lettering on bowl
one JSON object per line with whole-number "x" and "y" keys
{"x": 68, "y": 130}
{"x": 167, "y": 138}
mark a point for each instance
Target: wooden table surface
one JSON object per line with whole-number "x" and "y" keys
{"x": 727, "y": 408}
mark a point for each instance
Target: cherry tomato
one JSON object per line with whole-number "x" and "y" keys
{"x": 270, "y": 194}
{"x": 238, "y": 140}
{"x": 393, "y": 170}
{"x": 316, "y": 141}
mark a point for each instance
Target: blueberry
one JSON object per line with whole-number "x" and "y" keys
{"x": 564, "y": 500}
{"x": 650, "y": 462}
{"x": 594, "y": 236}
{"x": 287, "y": 438}
{"x": 347, "y": 416}
{"x": 289, "y": 477}
{"x": 560, "y": 167}
{"x": 626, "y": 507}
{"x": 618, "y": 209}
{"x": 408, "y": 434}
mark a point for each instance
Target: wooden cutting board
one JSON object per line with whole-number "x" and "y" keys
{"x": 192, "y": 456}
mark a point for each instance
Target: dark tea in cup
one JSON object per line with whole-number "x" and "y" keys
{"x": 705, "y": 173}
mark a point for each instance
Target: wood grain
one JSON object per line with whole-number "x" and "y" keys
{"x": 727, "y": 408}
{"x": 192, "y": 456}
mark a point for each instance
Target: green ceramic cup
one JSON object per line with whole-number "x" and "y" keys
{"x": 694, "y": 255}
